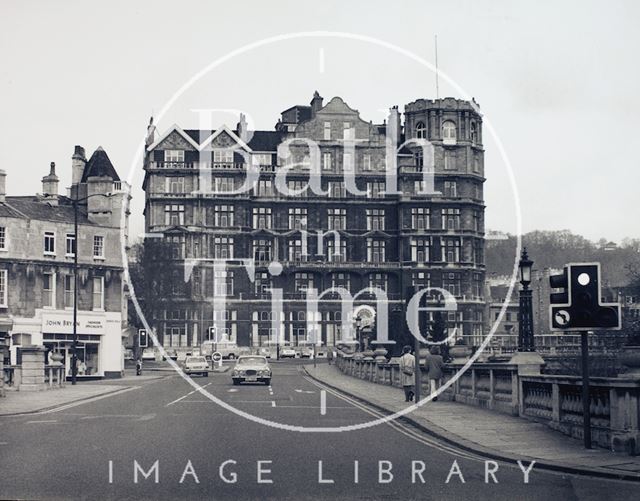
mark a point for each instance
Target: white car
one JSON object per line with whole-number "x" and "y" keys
{"x": 287, "y": 353}
{"x": 251, "y": 368}
{"x": 196, "y": 364}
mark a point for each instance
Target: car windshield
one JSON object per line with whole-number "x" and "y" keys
{"x": 197, "y": 360}
{"x": 252, "y": 361}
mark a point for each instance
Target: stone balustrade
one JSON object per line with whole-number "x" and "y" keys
{"x": 550, "y": 399}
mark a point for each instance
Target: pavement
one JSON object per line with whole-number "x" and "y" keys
{"x": 492, "y": 434}
{"x": 296, "y": 438}
{"x": 17, "y": 403}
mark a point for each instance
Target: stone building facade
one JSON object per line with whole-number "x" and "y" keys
{"x": 37, "y": 246}
{"x": 416, "y": 235}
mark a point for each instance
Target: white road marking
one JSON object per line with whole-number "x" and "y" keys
{"x": 100, "y": 416}
{"x": 273, "y": 403}
{"x": 89, "y": 400}
{"x": 323, "y": 402}
{"x": 321, "y": 61}
{"x": 231, "y": 390}
{"x": 43, "y": 421}
{"x": 435, "y": 443}
{"x": 303, "y": 391}
{"x": 185, "y": 396}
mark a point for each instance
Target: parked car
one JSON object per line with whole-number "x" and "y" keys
{"x": 305, "y": 352}
{"x": 251, "y": 368}
{"x": 195, "y": 364}
{"x": 128, "y": 354}
{"x": 148, "y": 354}
{"x": 287, "y": 352}
{"x": 265, "y": 352}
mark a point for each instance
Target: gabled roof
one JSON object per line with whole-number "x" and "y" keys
{"x": 193, "y": 141}
{"x": 99, "y": 165}
{"x": 260, "y": 140}
{"x": 228, "y": 131}
{"x": 30, "y": 207}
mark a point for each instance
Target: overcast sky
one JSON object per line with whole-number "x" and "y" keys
{"x": 558, "y": 81}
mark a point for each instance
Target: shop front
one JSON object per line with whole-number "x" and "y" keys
{"x": 99, "y": 343}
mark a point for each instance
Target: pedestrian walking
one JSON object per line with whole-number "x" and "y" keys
{"x": 434, "y": 369}
{"x": 330, "y": 355}
{"x": 139, "y": 367}
{"x": 407, "y": 369}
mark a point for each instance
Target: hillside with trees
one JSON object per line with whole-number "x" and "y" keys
{"x": 554, "y": 249}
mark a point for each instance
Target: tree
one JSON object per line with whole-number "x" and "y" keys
{"x": 152, "y": 276}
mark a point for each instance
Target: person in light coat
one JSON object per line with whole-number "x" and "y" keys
{"x": 407, "y": 371}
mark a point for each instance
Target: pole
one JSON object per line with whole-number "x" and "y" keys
{"x": 586, "y": 414}
{"x": 416, "y": 372}
{"x": 74, "y": 357}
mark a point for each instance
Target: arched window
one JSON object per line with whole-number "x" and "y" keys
{"x": 474, "y": 133}
{"x": 338, "y": 316}
{"x": 301, "y": 316}
{"x": 421, "y": 130}
{"x": 449, "y": 132}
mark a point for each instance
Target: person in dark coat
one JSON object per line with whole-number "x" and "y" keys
{"x": 434, "y": 365}
{"x": 407, "y": 370}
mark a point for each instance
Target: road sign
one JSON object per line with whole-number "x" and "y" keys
{"x": 216, "y": 358}
{"x": 578, "y": 306}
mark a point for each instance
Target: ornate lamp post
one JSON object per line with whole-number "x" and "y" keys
{"x": 358, "y": 322}
{"x": 525, "y": 312}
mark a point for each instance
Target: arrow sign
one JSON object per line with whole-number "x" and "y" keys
{"x": 562, "y": 317}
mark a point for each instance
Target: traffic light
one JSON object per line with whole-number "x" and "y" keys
{"x": 143, "y": 339}
{"x": 577, "y": 306}
{"x": 212, "y": 333}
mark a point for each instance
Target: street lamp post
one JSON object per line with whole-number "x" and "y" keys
{"x": 359, "y": 332}
{"x": 74, "y": 344}
{"x": 525, "y": 311}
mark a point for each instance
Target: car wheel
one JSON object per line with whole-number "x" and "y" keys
{"x": 205, "y": 374}
{"x": 231, "y": 356}
{"x": 267, "y": 381}
{"x": 236, "y": 382}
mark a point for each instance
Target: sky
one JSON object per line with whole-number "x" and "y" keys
{"x": 557, "y": 83}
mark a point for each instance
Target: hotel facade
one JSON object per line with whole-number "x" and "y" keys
{"x": 429, "y": 232}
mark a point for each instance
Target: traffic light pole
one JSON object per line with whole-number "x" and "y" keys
{"x": 586, "y": 414}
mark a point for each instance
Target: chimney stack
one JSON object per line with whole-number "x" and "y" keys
{"x": 50, "y": 184}
{"x": 3, "y": 185}
{"x": 242, "y": 128}
{"x": 78, "y": 161}
{"x": 394, "y": 129}
{"x": 151, "y": 133}
{"x": 316, "y": 104}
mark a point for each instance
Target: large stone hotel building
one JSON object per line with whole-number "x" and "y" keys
{"x": 417, "y": 236}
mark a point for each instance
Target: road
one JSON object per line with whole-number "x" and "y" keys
{"x": 66, "y": 454}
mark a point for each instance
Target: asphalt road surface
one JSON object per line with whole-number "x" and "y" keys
{"x": 90, "y": 450}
